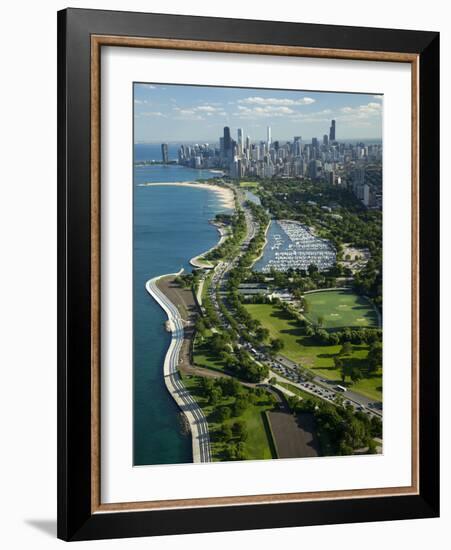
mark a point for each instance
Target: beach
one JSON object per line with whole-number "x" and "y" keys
{"x": 225, "y": 194}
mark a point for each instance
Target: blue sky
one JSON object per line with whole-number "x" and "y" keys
{"x": 176, "y": 113}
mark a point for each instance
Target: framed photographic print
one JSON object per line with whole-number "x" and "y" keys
{"x": 248, "y": 274}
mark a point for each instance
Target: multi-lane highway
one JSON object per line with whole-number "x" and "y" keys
{"x": 192, "y": 411}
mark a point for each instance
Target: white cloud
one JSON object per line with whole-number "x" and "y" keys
{"x": 371, "y": 109}
{"x": 150, "y": 114}
{"x": 140, "y": 101}
{"x": 256, "y": 100}
{"x": 197, "y": 112}
{"x": 266, "y": 111}
{"x": 207, "y": 108}
{"x": 147, "y": 86}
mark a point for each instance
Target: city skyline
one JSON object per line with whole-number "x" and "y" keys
{"x": 183, "y": 113}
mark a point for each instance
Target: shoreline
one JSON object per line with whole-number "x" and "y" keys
{"x": 225, "y": 194}
{"x": 198, "y": 260}
{"x": 189, "y": 407}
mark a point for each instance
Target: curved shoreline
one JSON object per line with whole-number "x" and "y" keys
{"x": 197, "y": 421}
{"x": 198, "y": 262}
{"x": 226, "y": 195}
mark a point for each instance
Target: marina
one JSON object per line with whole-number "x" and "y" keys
{"x": 292, "y": 245}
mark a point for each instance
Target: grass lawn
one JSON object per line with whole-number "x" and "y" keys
{"x": 203, "y": 357}
{"x": 206, "y": 286}
{"x": 340, "y": 309}
{"x": 250, "y": 184}
{"x": 258, "y": 444}
{"x": 303, "y": 350}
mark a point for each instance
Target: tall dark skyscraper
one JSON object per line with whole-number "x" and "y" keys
{"x": 227, "y": 140}
{"x": 164, "y": 153}
{"x": 332, "y": 131}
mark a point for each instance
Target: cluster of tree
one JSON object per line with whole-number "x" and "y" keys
{"x": 230, "y": 245}
{"x": 236, "y": 360}
{"x": 226, "y": 219}
{"x": 242, "y": 364}
{"x": 357, "y": 336}
{"x": 233, "y": 436}
{"x": 211, "y": 318}
{"x": 345, "y": 429}
{"x": 187, "y": 280}
{"x": 230, "y": 398}
{"x": 358, "y": 370}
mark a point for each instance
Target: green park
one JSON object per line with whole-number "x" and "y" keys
{"x": 321, "y": 359}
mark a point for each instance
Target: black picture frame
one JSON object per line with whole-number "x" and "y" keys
{"x": 75, "y": 518}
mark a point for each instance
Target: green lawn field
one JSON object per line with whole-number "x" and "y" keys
{"x": 319, "y": 359}
{"x": 258, "y": 444}
{"x": 203, "y": 357}
{"x": 249, "y": 184}
{"x": 340, "y": 309}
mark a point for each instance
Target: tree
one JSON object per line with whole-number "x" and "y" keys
{"x": 215, "y": 395}
{"x": 334, "y": 338}
{"x": 224, "y": 413}
{"x": 356, "y": 375}
{"x": 320, "y": 320}
{"x": 277, "y": 344}
{"x": 374, "y": 359}
{"x": 376, "y": 426}
{"x": 240, "y": 405}
{"x": 372, "y": 447}
{"x": 240, "y": 453}
{"x": 346, "y": 348}
{"x": 312, "y": 269}
{"x": 239, "y": 429}
{"x": 262, "y": 334}
{"x": 225, "y": 432}
{"x": 339, "y": 365}
{"x": 339, "y": 399}
{"x": 200, "y": 327}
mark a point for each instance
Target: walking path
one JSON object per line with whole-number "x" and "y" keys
{"x": 190, "y": 408}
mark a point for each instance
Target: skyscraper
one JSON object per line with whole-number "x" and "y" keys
{"x": 297, "y": 146}
{"x": 332, "y": 131}
{"x": 268, "y": 136}
{"x": 227, "y": 140}
{"x": 240, "y": 136}
{"x": 164, "y": 153}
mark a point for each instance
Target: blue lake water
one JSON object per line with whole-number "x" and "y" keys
{"x": 170, "y": 227}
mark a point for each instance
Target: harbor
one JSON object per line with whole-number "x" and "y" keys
{"x": 292, "y": 245}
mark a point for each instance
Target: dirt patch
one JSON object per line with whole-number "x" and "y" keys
{"x": 295, "y": 437}
{"x": 184, "y": 301}
{"x": 182, "y": 298}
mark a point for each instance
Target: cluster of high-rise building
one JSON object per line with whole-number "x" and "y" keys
{"x": 327, "y": 160}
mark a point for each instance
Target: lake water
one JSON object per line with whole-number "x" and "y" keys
{"x": 170, "y": 227}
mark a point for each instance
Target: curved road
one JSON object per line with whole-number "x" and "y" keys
{"x": 194, "y": 414}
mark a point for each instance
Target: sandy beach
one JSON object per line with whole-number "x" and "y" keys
{"x": 225, "y": 194}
